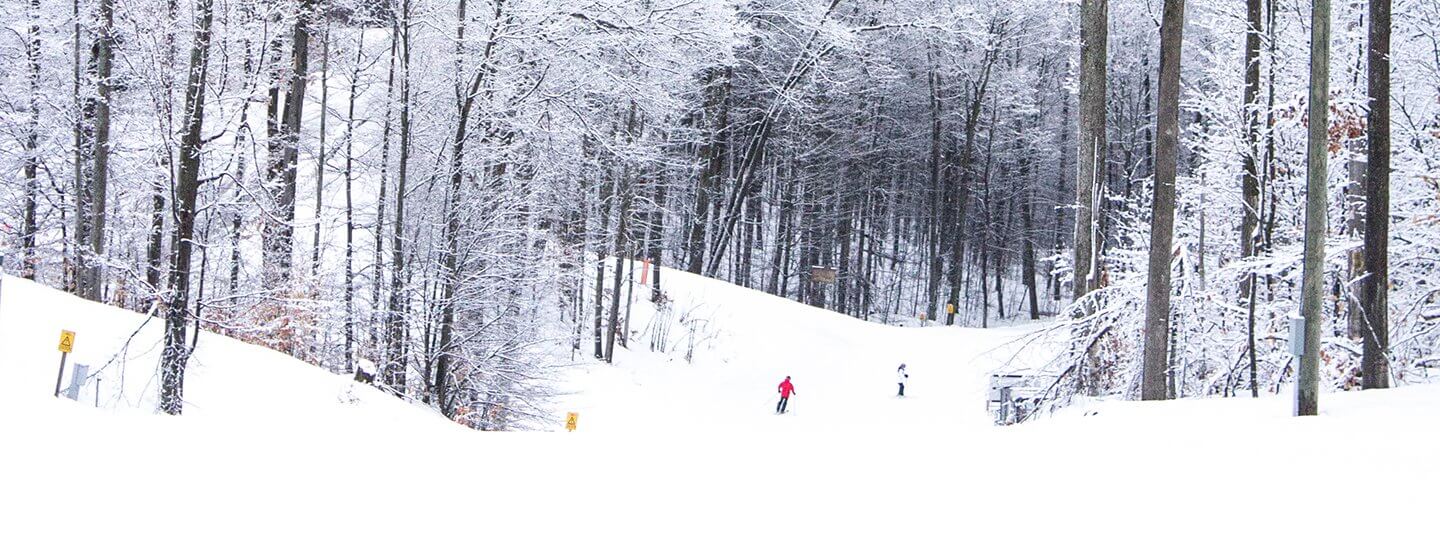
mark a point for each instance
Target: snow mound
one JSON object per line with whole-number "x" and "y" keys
{"x": 226, "y": 379}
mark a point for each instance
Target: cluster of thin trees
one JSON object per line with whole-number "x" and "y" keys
{"x": 443, "y": 196}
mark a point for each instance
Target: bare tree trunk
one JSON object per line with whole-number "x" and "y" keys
{"x": 657, "y": 235}
{"x": 177, "y": 311}
{"x": 607, "y": 191}
{"x": 92, "y": 285}
{"x": 618, "y": 280}
{"x": 321, "y": 154}
{"x": 81, "y": 181}
{"x": 713, "y": 155}
{"x": 939, "y": 199}
{"x": 1162, "y": 226}
{"x": 395, "y": 364}
{"x": 350, "y": 205}
{"x": 279, "y": 229}
{"x": 378, "y": 320}
{"x": 450, "y": 258}
{"x": 1375, "y": 369}
{"x": 1060, "y": 185}
{"x": 155, "y": 248}
{"x": 1317, "y": 162}
{"x": 1270, "y": 161}
{"x": 1091, "y": 157}
{"x": 1249, "y": 218}
{"x": 1027, "y": 255}
{"x": 29, "y": 227}
{"x": 622, "y": 240}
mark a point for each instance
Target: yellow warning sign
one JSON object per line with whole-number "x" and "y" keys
{"x": 67, "y": 341}
{"x": 950, "y": 308}
{"x": 571, "y": 420}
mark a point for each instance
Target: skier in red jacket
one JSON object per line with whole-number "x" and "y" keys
{"x": 786, "y": 389}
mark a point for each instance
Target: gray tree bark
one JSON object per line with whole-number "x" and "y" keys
{"x": 29, "y": 228}
{"x": 1317, "y": 163}
{"x": 395, "y": 360}
{"x": 177, "y": 312}
{"x": 1092, "y": 139}
{"x": 92, "y": 274}
{"x": 1162, "y": 225}
{"x": 1375, "y": 369}
{"x": 279, "y": 230}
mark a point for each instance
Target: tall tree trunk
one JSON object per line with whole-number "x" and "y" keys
{"x": 939, "y": 203}
{"x": 92, "y": 286}
{"x": 621, "y": 223}
{"x": 781, "y": 259}
{"x": 1270, "y": 160}
{"x": 1027, "y": 254}
{"x": 377, "y": 268}
{"x": 177, "y": 313}
{"x": 1091, "y": 157}
{"x": 657, "y": 235}
{"x": 29, "y": 228}
{"x": 1250, "y": 214}
{"x": 1317, "y": 163}
{"x": 155, "y": 248}
{"x": 350, "y": 204}
{"x": 279, "y": 229}
{"x": 450, "y": 258}
{"x": 396, "y": 366}
{"x": 1375, "y": 369}
{"x": 1249, "y": 218}
{"x": 712, "y": 155}
{"x": 604, "y": 203}
{"x": 321, "y": 154}
{"x": 1162, "y": 225}
{"x": 81, "y": 178}
{"x": 1060, "y": 188}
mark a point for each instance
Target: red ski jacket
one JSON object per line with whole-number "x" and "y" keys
{"x": 786, "y": 388}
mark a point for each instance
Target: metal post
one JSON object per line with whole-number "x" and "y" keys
{"x": 1005, "y": 405}
{"x": 60, "y": 375}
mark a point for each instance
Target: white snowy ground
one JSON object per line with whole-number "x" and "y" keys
{"x": 270, "y": 447}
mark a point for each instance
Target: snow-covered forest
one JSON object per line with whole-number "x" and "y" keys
{"x": 437, "y": 195}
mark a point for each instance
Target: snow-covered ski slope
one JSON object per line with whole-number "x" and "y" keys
{"x": 273, "y": 448}
{"x": 746, "y": 341}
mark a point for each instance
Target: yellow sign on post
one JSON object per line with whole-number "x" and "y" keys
{"x": 950, "y": 308}
{"x": 571, "y": 419}
{"x": 67, "y": 344}
{"x": 67, "y": 341}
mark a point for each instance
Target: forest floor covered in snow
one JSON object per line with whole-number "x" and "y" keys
{"x": 673, "y": 448}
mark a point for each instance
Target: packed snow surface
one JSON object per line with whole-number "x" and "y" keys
{"x": 670, "y": 447}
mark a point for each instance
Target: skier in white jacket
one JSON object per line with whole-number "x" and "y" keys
{"x": 902, "y": 378}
